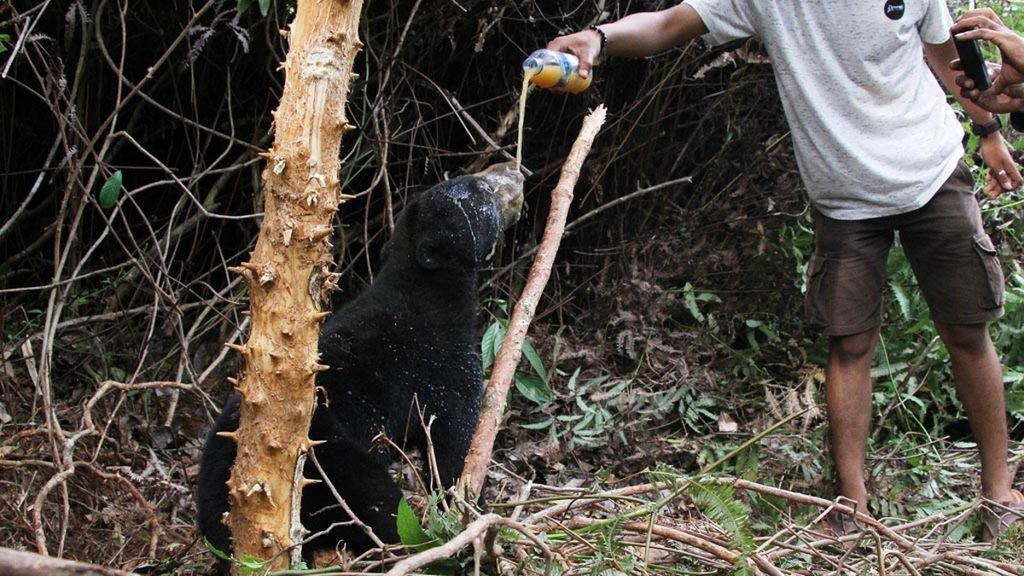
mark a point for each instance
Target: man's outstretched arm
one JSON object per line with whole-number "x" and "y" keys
{"x": 636, "y": 35}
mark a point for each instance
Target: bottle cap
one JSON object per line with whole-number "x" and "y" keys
{"x": 533, "y": 63}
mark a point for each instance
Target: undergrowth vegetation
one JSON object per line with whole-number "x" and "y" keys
{"x": 667, "y": 417}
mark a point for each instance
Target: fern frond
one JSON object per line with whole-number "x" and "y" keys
{"x": 902, "y": 298}
{"x": 719, "y": 503}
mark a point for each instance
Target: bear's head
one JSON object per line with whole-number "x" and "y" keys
{"x": 455, "y": 225}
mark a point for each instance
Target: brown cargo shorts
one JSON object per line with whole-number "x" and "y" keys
{"x": 955, "y": 263}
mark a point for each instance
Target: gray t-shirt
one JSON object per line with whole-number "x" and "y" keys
{"x": 872, "y": 131}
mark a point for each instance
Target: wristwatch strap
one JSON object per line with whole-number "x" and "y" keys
{"x": 987, "y": 128}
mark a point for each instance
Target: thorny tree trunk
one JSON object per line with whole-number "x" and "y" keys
{"x": 289, "y": 279}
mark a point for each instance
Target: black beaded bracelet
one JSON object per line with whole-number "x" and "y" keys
{"x": 604, "y": 37}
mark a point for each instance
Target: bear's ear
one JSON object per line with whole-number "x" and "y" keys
{"x": 433, "y": 250}
{"x": 430, "y": 252}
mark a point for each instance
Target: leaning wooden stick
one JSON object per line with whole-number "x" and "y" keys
{"x": 493, "y": 407}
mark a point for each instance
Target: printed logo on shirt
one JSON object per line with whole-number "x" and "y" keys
{"x": 895, "y": 9}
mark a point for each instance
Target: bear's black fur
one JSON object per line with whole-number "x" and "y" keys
{"x": 412, "y": 333}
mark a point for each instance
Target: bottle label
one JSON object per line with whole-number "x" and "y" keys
{"x": 567, "y": 71}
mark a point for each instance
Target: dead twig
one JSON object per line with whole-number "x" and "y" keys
{"x": 311, "y": 455}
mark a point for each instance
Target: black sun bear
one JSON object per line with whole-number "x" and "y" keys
{"x": 411, "y": 335}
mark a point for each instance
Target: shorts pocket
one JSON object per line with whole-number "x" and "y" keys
{"x": 816, "y": 301}
{"x": 995, "y": 294}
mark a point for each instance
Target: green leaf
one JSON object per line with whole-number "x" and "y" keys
{"x": 531, "y": 355}
{"x": 720, "y": 504}
{"x": 533, "y": 388}
{"x": 538, "y": 425}
{"x": 4, "y": 39}
{"x": 264, "y": 7}
{"x": 251, "y": 565}
{"x": 409, "y": 530}
{"x": 1015, "y": 401}
{"x": 491, "y": 343}
{"x": 903, "y": 299}
{"x": 111, "y": 191}
{"x": 216, "y": 551}
{"x": 691, "y": 303}
{"x": 118, "y": 374}
{"x": 243, "y": 5}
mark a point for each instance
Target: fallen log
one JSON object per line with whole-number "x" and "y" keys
{"x": 19, "y": 563}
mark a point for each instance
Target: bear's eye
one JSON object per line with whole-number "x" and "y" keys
{"x": 483, "y": 187}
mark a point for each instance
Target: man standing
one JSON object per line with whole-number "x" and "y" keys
{"x": 879, "y": 151}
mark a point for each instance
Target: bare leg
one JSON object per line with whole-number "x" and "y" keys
{"x": 979, "y": 384}
{"x": 848, "y": 395}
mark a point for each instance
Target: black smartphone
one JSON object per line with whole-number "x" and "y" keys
{"x": 973, "y": 63}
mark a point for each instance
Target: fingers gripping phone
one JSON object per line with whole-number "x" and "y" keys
{"x": 973, "y": 63}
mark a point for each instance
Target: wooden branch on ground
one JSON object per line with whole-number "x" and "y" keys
{"x": 622, "y": 513}
{"x": 689, "y": 539}
{"x": 474, "y": 532}
{"x": 493, "y": 406}
{"x": 18, "y": 563}
{"x": 908, "y": 549}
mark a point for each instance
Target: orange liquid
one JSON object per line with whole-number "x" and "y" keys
{"x": 527, "y": 76}
{"x": 551, "y": 74}
{"x": 548, "y": 76}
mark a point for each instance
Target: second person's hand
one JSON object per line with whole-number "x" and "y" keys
{"x": 1009, "y": 99}
{"x": 984, "y": 24}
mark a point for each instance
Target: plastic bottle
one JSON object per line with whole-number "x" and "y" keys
{"x": 556, "y": 71}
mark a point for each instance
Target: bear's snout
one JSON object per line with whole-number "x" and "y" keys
{"x": 507, "y": 182}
